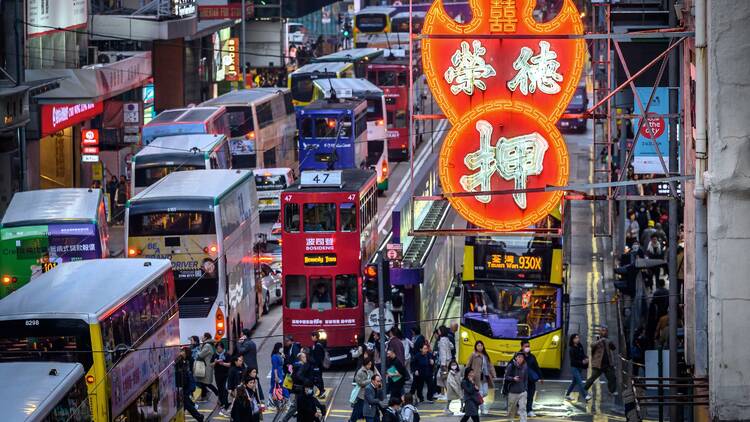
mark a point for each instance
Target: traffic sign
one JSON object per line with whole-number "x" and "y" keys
{"x": 373, "y": 320}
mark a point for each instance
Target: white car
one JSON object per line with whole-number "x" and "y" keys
{"x": 271, "y": 286}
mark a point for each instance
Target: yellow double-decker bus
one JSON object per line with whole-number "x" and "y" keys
{"x": 514, "y": 289}
{"x": 118, "y": 318}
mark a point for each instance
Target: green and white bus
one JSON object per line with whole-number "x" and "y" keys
{"x": 43, "y": 228}
{"x": 206, "y": 222}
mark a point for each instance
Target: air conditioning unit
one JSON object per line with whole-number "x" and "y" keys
{"x": 104, "y": 57}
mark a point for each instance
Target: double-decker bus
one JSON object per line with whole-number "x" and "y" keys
{"x": 206, "y": 222}
{"x": 391, "y": 74}
{"x": 166, "y": 154}
{"x": 261, "y": 126}
{"x": 372, "y": 20}
{"x": 359, "y": 57}
{"x": 44, "y": 392}
{"x": 43, "y": 228}
{"x": 514, "y": 288}
{"x": 301, "y": 80}
{"x": 118, "y": 318}
{"x": 329, "y": 231}
{"x": 183, "y": 121}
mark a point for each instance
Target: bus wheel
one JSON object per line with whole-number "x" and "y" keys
{"x": 266, "y": 305}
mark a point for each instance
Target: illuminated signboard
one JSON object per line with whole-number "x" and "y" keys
{"x": 503, "y": 97}
{"x": 320, "y": 259}
{"x": 496, "y": 261}
{"x": 230, "y": 58}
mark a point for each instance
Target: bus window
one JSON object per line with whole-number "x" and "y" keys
{"x": 374, "y": 109}
{"x": 302, "y": 87}
{"x": 147, "y": 176}
{"x": 319, "y": 217}
{"x": 291, "y": 218}
{"x": 391, "y": 120}
{"x": 326, "y": 128}
{"x": 348, "y": 217}
{"x": 400, "y": 119}
{"x": 265, "y": 114}
{"x": 387, "y": 78}
{"x": 346, "y": 291}
{"x": 321, "y": 290}
{"x": 401, "y": 76}
{"x": 240, "y": 121}
{"x": 307, "y": 127}
{"x": 64, "y": 340}
{"x": 270, "y": 182}
{"x": 172, "y": 223}
{"x": 296, "y": 291}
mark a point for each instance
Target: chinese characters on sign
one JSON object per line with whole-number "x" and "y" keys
{"x": 507, "y": 81}
{"x": 512, "y": 262}
{"x": 319, "y": 244}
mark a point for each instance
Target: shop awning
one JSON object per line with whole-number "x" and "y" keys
{"x": 95, "y": 83}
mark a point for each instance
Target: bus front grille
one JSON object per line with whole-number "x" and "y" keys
{"x": 195, "y": 307}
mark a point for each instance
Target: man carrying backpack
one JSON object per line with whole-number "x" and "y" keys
{"x": 515, "y": 386}
{"x": 318, "y": 355}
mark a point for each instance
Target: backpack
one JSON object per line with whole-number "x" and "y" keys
{"x": 326, "y": 359}
{"x": 414, "y": 412}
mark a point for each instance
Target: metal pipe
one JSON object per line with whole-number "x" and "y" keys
{"x": 243, "y": 47}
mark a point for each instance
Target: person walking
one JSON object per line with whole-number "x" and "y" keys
{"x": 277, "y": 369}
{"x": 603, "y": 361}
{"x": 374, "y": 345}
{"x": 578, "y": 363}
{"x": 206, "y": 380}
{"x": 445, "y": 354}
{"x": 184, "y": 380}
{"x": 235, "y": 375}
{"x": 396, "y": 374}
{"x": 472, "y": 398}
{"x": 452, "y": 385}
{"x": 423, "y": 374}
{"x": 373, "y": 399}
{"x": 301, "y": 377}
{"x": 317, "y": 355}
{"x": 484, "y": 371}
{"x": 534, "y": 373}
{"x": 409, "y": 412}
{"x": 362, "y": 378}
{"x": 247, "y": 348}
{"x": 392, "y": 413}
{"x": 222, "y": 364}
{"x": 252, "y": 373}
{"x": 396, "y": 345}
{"x": 309, "y": 409}
{"x": 243, "y": 406}
{"x": 195, "y": 347}
{"x": 291, "y": 350}
{"x": 252, "y": 386}
{"x": 516, "y": 374}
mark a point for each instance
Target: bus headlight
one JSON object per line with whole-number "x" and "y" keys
{"x": 465, "y": 336}
{"x": 322, "y": 335}
{"x": 555, "y": 339}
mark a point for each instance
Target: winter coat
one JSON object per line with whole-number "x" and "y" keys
{"x": 445, "y": 351}
{"x": 476, "y": 363}
{"x": 242, "y": 411}
{"x": 390, "y": 415}
{"x": 373, "y": 401}
{"x": 307, "y": 405}
{"x": 363, "y": 378}
{"x": 577, "y": 355}
{"x": 317, "y": 355}
{"x": 453, "y": 385}
{"x": 598, "y": 349}
{"x": 249, "y": 352}
{"x": 471, "y": 403}
{"x": 234, "y": 377}
{"x": 533, "y": 365}
{"x": 397, "y": 346}
{"x": 423, "y": 365}
{"x": 205, "y": 354}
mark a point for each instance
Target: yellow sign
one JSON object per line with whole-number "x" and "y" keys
{"x": 512, "y": 262}
{"x": 320, "y": 259}
{"x": 97, "y": 171}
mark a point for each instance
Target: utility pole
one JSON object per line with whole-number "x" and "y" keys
{"x": 675, "y": 412}
{"x": 622, "y": 203}
{"x": 381, "y": 311}
{"x": 243, "y": 47}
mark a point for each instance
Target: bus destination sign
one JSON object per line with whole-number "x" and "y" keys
{"x": 492, "y": 262}
{"x": 320, "y": 259}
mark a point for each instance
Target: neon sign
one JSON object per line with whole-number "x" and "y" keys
{"x": 503, "y": 96}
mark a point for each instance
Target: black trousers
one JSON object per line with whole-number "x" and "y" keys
{"x": 204, "y": 390}
{"x": 221, "y": 384}
{"x": 187, "y": 403}
{"x": 474, "y": 418}
{"x": 396, "y": 388}
{"x": 318, "y": 380}
{"x": 418, "y": 385}
{"x": 530, "y": 391}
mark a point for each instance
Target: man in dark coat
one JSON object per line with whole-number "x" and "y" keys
{"x": 373, "y": 399}
{"x": 534, "y": 375}
{"x": 317, "y": 356}
{"x": 517, "y": 375}
{"x": 247, "y": 348}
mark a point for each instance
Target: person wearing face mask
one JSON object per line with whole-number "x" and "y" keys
{"x": 534, "y": 375}
{"x": 452, "y": 385}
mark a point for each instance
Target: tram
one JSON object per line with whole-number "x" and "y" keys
{"x": 329, "y": 231}
{"x": 514, "y": 288}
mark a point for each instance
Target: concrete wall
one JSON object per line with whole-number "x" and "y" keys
{"x": 729, "y": 208}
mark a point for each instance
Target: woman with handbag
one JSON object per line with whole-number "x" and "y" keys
{"x": 484, "y": 371}
{"x": 578, "y": 363}
{"x": 203, "y": 369}
{"x": 472, "y": 398}
{"x": 362, "y": 380}
{"x": 277, "y": 369}
{"x": 245, "y": 408}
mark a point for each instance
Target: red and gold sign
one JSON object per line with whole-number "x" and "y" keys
{"x": 503, "y": 80}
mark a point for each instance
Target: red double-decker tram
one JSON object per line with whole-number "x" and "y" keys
{"x": 391, "y": 74}
{"x": 329, "y": 231}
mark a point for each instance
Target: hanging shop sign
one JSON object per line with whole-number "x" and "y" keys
{"x": 228, "y": 11}
{"x": 503, "y": 96}
{"x": 184, "y": 8}
{"x": 90, "y": 145}
{"x": 55, "y": 117}
{"x": 47, "y": 16}
{"x": 230, "y": 58}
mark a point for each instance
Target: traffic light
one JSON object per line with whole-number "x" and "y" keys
{"x": 371, "y": 283}
{"x": 346, "y": 31}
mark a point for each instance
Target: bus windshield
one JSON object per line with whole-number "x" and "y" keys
{"x": 270, "y": 182}
{"x": 240, "y": 121}
{"x": 374, "y": 109}
{"x": 302, "y": 88}
{"x": 319, "y": 217}
{"x": 147, "y": 176}
{"x": 371, "y": 22}
{"x": 507, "y": 310}
{"x": 172, "y": 223}
{"x": 59, "y": 340}
{"x": 391, "y": 78}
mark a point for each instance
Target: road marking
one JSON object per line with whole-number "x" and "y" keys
{"x": 400, "y": 190}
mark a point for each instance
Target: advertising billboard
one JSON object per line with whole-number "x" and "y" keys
{"x": 47, "y": 16}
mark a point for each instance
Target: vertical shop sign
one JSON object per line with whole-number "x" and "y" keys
{"x": 231, "y": 59}
{"x": 503, "y": 96}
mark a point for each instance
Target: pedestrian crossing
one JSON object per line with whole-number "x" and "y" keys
{"x": 210, "y": 410}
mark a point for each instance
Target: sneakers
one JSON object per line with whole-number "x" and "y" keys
{"x": 225, "y": 413}
{"x": 440, "y": 397}
{"x": 615, "y": 393}
{"x": 531, "y": 414}
{"x": 447, "y": 412}
{"x": 588, "y": 397}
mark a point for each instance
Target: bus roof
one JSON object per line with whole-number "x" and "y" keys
{"x": 350, "y": 55}
{"x": 193, "y": 184}
{"x": 82, "y": 289}
{"x": 346, "y": 104}
{"x": 377, "y": 9}
{"x": 353, "y": 87}
{"x": 327, "y": 67}
{"x": 244, "y": 96}
{"x": 353, "y": 180}
{"x": 65, "y": 205}
{"x": 178, "y": 145}
{"x": 37, "y": 388}
{"x": 415, "y": 14}
{"x": 185, "y": 115}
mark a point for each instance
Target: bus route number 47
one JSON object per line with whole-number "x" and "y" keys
{"x": 321, "y": 178}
